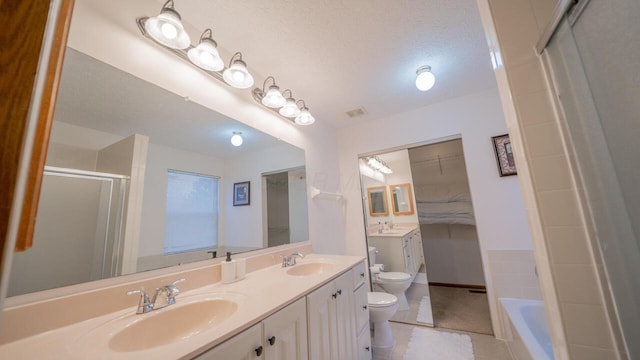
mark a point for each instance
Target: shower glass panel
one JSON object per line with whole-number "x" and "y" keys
{"x": 593, "y": 62}
{"x": 79, "y": 218}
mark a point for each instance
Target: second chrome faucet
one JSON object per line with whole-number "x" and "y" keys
{"x": 291, "y": 259}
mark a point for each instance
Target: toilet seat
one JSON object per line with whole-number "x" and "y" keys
{"x": 381, "y": 299}
{"x": 394, "y": 276}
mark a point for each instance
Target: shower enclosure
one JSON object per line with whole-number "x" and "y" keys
{"x": 80, "y": 217}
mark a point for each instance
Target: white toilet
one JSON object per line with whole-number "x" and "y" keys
{"x": 382, "y": 306}
{"x": 395, "y": 283}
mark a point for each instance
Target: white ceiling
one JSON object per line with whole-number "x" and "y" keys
{"x": 339, "y": 55}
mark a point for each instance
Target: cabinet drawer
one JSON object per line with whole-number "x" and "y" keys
{"x": 359, "y": 273}
{"x": 364, "y": 345}
{"x": 362, "y": 310}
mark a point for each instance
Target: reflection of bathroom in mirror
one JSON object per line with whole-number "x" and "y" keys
{"x": 401, "y": 199}
{"x": 426, "y": 252}
{"x": 139, "y": 178}
{"x": 377, "y": 196}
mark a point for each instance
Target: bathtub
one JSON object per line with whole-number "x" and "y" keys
{"x": 527, "y": 329}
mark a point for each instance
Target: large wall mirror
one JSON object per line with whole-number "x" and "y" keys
{"x": 139, "y": 178}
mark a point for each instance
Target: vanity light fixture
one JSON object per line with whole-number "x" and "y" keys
{"x": 287, "y": 107}
{"x": 167, "y": 29}
{"x": 237, "y": 74}
{"x": 375, "y": 163}
{"x": 273, "y": 97}
{"x": 206, "y": 55}
{"x": 305, "y": 117}
{"x": 290, "y": 109}
{"x": 425, "y": 78}
{"x": 236, "y": 139}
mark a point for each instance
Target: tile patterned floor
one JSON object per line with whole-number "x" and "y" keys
{"x": 485, "y": 347}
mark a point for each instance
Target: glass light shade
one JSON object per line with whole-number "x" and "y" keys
{"x": 238, "y": 76}
{"x": 290, "y": 109}
{"x": 305, "y": 117}
{"x": 236, "y": 139}
{"x": 206, "y": 56}
{"x": 425, "y": 79}
{"x": 273, "y": 98}
{"x": 167, "y": 29}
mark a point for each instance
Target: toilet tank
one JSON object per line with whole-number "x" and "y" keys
{"x": 372, "y": 255}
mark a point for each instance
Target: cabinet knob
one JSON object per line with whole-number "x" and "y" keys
{"x": 339, "y": 291}
{"x": 272, "y": 340}
{"x": 361, "y": 274}
{"x": 335, "y": 295}
{"x": 365, "y": 307}
{"x": 367, "y": 348}
{"x": 259, "y": 350}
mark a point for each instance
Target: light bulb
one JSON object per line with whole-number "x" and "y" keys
{"x": 273, "y": 98}
{"x": 425, "y": 79}
{"x": 206, "y": 55}
{"x": 305, "y": 117}
{"x": 237, "y": 75}
{"x": 290, "y": 109}
{"x": 236, "y": 139}
{"x": 169, "y": 31}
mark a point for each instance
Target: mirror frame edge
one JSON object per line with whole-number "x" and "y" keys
{"x": 30, "y": 19}
{"x": 411, "y": 210}
{"x": 384, "y": 197}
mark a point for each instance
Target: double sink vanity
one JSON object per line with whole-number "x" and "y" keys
{"x": 314, "y": 309}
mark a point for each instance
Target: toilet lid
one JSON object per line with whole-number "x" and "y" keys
{"x": 394, "y": 276}
{"x": 380, "y": 299}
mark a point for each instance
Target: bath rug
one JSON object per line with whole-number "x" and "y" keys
{"x": 429, "y": 344}
{"x": 424, "y": 312}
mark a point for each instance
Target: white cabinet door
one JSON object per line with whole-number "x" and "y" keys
{"x": 285, "y": 333}
{"x": 323, "y": 337}
{"x": 364, "y": 345}
{"x": 245, "y": 346}
{"x": 346, "y": 316}
{"x": 361, "y": 308}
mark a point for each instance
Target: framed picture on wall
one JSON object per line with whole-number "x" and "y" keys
{"x": 241, "y": 193}
{"x": 504, "y": 155}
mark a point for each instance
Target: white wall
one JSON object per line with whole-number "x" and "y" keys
{"x": 107, "y": 32}
{"x": 244, "y": 223}
{"x": 498, "y": 203}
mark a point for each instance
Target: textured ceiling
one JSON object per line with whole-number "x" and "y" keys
{"x": 338, "y": 55}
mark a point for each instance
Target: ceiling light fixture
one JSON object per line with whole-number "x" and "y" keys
{"x": 206, "y": 55}
{"x": 375, "y": 163}
{"x": 166, "y": 29}
{"x": 236, "y": 139}
{"x": 425, "y": 78}
{"x": 273, "y": 97}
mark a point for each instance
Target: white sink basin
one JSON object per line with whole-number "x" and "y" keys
{"x": 188, "y": 317}
{"x": 311, "y": 268}
{"x": 171, "y": 324}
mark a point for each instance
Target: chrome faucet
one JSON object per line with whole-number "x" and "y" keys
{"x": 145, "y": 305}
{"x": 291, "y": 259}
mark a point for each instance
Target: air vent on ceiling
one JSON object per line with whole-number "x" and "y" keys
{"x": 356, "y": 112}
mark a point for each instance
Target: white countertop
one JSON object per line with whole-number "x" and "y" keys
{"x": 259, "y": 295}
{"x": 397, "y": 231}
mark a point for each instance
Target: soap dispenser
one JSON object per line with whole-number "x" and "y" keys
{"x": 228, "y": 270}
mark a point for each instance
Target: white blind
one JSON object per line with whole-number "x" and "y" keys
{"x": 192, "y": 212}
